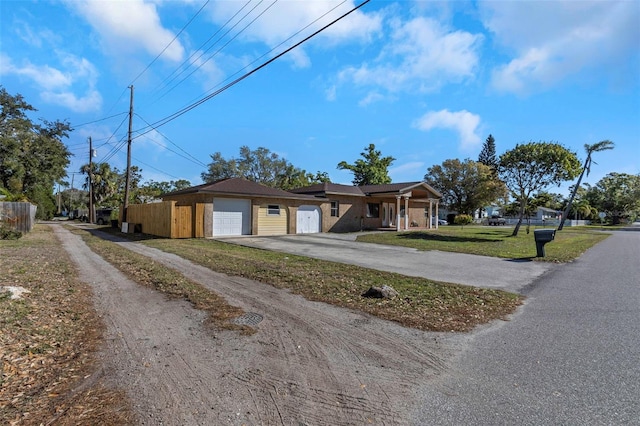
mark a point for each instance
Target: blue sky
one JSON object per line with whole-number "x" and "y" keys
{"x": 425, "y": 81}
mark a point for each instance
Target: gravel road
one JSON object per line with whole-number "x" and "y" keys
{"x": 308, "y": 363}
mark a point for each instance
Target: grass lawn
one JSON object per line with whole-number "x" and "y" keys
{"x": 568, "y": 244}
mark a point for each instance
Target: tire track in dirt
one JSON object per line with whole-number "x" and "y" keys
{"x": 308, "y": 363}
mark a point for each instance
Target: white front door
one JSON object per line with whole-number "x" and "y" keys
{"x": 388, "y": 214}
{"x": 231, "y": 216}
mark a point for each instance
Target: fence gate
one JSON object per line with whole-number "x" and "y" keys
{"x": 182, "y": 227}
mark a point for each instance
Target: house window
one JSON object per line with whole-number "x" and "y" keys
{"x": 273, "y": 210}
{"x": 373, "y": 210}
{"x": 426, "y": 212}
{"x": 335, "y": 208}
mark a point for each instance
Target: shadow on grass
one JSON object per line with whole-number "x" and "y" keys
{"x": 446, "y": 238}
{"x": 116, "y": 236}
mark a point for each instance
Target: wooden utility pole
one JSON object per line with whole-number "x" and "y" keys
{"x": 92, "y": 216}
{"x": 128, "y": 179}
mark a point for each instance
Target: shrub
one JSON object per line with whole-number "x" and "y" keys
{"x": 8, "y": 233}
{"x": 463, "y": 219}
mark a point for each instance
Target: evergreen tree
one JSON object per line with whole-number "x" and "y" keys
{"x": 488, "y": 154}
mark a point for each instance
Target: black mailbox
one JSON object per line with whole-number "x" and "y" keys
{"x": 542, "y": 237}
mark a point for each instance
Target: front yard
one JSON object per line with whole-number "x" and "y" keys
{"x": 568, "y": 244}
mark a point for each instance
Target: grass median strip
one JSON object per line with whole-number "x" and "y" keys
{"x": 422, "y": 304}
{"x": 147, "y": 272}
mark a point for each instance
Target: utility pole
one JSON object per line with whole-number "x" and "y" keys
{"x": 92, "y": 215}
{"x": 128, "y": 179}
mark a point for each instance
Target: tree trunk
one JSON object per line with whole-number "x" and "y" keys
{"x": 523, "y": 206}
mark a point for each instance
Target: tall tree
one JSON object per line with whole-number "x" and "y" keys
{"x": 596, "y": 147}
{"x": 488, "y": 154}
{"x": 534, "y": 166}
{"x": 262, "y": 166}
{"x": 105, "y": 184}
{"x": 618, "y": 195}
{"x": 372, "y": 169}
{"x": 32, "y": 155}
{"x": 153, "y": 190}
{"x": 466, "y": 186}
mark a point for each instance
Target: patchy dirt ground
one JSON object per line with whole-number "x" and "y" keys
{"x": 307, "y": 364}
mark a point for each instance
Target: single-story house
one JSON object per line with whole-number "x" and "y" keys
{"x": 395, "y": 205}
{"x": 236, "y": 206}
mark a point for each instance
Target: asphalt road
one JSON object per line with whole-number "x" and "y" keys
{"x": 478, "y": 271}
{"x": 571, "y": 356}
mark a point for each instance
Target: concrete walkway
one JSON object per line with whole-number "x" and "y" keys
{"x": 478, "y": 271}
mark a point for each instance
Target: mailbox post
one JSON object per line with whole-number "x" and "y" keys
{"x": 542, "y": 237}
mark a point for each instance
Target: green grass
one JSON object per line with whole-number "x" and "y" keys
{"x": 568, "y": 244}
{"x": 422, "y": 304}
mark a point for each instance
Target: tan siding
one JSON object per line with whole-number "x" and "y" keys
{"x": 272, "y": 224}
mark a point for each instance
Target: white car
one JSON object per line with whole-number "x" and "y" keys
{"x": 440, "y": 222}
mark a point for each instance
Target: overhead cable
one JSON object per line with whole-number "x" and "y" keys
{"x": 183, "y": 111}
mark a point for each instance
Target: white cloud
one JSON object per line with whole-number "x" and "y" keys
{"x": 553, "y": 40}
{"x": 462, "y": 122}
{"x": 126, "y": 26}
{"x": 406, "y": 169}
{"x": 421, "y": 55}
{"x": 58, "y": 85}
{"x": 284, "y": 19}
{"x": 91, "y": 101}
{"x": 371, "y": 98}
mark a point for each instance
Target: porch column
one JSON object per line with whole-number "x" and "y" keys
{"x": 437, "y": 216}
{"x": 406, "y": 213}
{"x": 430, "y": 215}
{"x": 398, "y": 213}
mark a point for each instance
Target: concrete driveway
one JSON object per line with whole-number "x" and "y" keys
{"x": 478, "y": 271}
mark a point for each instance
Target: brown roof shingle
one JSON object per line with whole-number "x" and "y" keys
{"x": 238, "y": 187}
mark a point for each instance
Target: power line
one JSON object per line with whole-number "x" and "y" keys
{"x": 186, "y": 61}
{"x": 225, "y": 45}
{"x": 171, "y": 42}
{"x": 101, "y": 119}
{"x": 155, "y": 168}
{"x": 188, "y": 156}
{"x": 188, "y": 108}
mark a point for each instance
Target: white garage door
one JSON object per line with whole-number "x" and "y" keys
{"x": 308, "y": 220}
{"x": 231, "y": 217}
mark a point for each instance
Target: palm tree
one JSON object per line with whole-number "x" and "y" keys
{"x": 582, "y": 208}
{"x": 596, "y": 147}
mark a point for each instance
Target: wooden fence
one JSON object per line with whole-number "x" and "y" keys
{"x": 18, "y": 216}
{"x": 167, "y": 220}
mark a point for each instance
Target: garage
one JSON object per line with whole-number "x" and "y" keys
{"x": 231, "y": 216}
{"x": 308, "y": 220}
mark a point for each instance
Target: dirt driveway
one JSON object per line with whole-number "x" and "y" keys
{"x": 307, "y": 364}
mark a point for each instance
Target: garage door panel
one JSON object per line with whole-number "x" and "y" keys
{"x": 231, "y": 216}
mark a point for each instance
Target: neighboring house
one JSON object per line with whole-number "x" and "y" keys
{"x": 396, "y": 205}
{"x": 240, "y": 207}
{"x": 544, "y": 213}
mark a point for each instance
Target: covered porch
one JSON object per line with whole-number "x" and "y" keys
{"x": 405, "y": 207}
